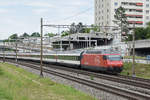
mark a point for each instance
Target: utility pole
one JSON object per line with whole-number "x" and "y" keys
{"x": 16, "y": 50}
{"x": 121, "y": 31}
{"x": 3, "y": 52}
{"x": 90, "y": 38}
{"x": 41, "y": 60}
{"x": 69, "y": 42}
{"x": 133, "y": 65}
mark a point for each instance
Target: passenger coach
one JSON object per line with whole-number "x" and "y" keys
{"x": 97, "y": 60}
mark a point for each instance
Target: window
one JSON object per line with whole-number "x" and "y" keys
{"x": 107, "y": 4}
{"x": 147, "y": 17}
{"x": 147, "y": 5}
{"x": 116, "y": 3}
{"x": 130, "y": 10}
{"x": 107, "y": 23}
{"x": 107, "y": 16}
{"x": 133, "y": 4}
{"x": 107, "y": 10}
{"x": 124, "y": 3}
{"x": 114, "y": 57}
{"x": 99, "y": 18}
{"x": 147, "y": 0}
{"x": 147, "y": 11}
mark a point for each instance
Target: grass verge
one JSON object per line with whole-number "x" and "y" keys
{"x": 141, "y": 70}
{"x": 18, "y": 84}
{"x": 136, "y": 57}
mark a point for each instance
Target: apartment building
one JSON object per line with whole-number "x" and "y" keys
{"x": 137, "y": 11}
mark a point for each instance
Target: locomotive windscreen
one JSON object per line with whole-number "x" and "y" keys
{"x": 114, "y": 57}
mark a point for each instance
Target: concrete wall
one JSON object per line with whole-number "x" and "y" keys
{"x": 140, "y": 44}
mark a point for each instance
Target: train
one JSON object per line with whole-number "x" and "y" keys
{"x": 94, "y": 60}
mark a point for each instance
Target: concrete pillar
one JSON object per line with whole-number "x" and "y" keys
{"x": 61, "y": 45}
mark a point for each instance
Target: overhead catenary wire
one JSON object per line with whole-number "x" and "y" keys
{"x": 72, "y": 16}
{"x": 78, "y": 14}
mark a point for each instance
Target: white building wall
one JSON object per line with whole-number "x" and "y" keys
{"x": 105, "y": 10}
{"x": 147, "y": 11}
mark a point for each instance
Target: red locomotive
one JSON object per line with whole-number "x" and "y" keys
{"x": 102, "y": 61}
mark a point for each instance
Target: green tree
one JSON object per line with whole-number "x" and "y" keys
{"x": 148, "y": 24}
{"x": 80, "y": 27}
{"x": 25, "y": 35}
{"x": 14, "y": 36}
{"x": 50, "y": 34}
{"x": 35, "y": 34}
{"x": 121, "y": 19}
{"x": 95, "y": 28}
{"x": 140, "y": 33}
{"x": 87, "y": 30}
{"x": 76, "y": 28}
{"x": 64, "y": 33}
{"x": 6, "y": 40}
{"x": 148, "y": 32}
{"x": 72, "y": 29}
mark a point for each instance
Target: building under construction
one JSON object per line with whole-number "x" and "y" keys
{"x": 81, "y": 40}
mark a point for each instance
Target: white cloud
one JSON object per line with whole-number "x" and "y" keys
{"x": 7, "y": 3}
{"x": 39, "y": 4}
{"x": 3, "y": 11}
{"x": 24, "y": 15}
{"x": 40, "y": 11}
{"x": 79, "y": 3}
{"x": 32, "y": 3}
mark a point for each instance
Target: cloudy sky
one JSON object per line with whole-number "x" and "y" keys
{"x": 19, "y": 16}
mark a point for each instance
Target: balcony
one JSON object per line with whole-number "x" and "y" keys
{"x": 134, "y": 16}
{"x": 136, "y": 22}
{"x": 134, "y": 19}
{"x": 139, "y": 4}
{"x": 132, "y": 4}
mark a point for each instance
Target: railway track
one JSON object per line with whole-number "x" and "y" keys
{"x": 100, "y": 86}
{"x": 135, "y": 78}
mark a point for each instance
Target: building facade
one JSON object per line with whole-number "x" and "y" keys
{"x": 137, "y": 11}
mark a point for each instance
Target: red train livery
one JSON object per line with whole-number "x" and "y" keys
{"x": 102, "y": 61}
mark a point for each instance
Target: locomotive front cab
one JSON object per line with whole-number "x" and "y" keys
{"x": 114, "y": 63}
